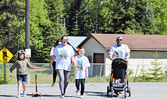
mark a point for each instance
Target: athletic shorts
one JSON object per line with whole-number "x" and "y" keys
{"x": 22, "y": 78}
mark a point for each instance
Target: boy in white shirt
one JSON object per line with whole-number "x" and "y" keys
{"x": 81, "y": 71}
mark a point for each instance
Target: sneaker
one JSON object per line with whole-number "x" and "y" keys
{"x": 52, "y": 85}
{"x": 62, "y": 96}
{"x": 18, "y": 96}
{"x": 81, "y": 96}
{"x": 77, "y": 93}
{"x": 24, "y": 94}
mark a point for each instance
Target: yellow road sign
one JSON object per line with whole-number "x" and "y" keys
{"x": 5, "y": 55}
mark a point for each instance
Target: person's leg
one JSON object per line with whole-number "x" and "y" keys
{"x": 60, "y": 73}
{"x": 77, "y": 84}
{"x": 24, "y": 84}
{"x": 82, "y": 86}
{"x": 66, "y": 79}
{"x": 19, "y": 81}
{"x": 19, "y": 88}
{"x": 54, "y": 72}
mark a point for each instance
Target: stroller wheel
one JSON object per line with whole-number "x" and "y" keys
{"x": 116, "y": 92}
{"x": 108, "y": 91}
{"x": 129, "y": 91}
{"x": 112, "y": 94}
{"x": 125, "y": 93}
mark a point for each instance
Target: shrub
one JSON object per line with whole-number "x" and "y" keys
{"x": 156, "y": 73}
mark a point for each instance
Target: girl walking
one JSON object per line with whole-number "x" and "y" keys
{"x": 81, "y": 71}
{"x": 22, "y": 65}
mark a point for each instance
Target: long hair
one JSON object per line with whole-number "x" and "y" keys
{"x": 63, "y": 37}
{"x": 57, "y": 43}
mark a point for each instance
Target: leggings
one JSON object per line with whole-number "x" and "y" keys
{"x": 54, "y": 72}
{"x": 63, "y": 80}
{"x": 77, "y": 82}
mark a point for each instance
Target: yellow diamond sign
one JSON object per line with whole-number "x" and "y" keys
{"x": 5, "y": 55}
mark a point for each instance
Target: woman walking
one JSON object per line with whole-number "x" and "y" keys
{"x": 58, "y": 42}
{"x": 64, "y": 55}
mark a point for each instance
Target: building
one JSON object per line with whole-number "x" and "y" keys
{"x": 74, "y": 41}
{"x": 142, "y": 47}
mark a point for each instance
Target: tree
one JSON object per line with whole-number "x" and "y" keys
{"x": 13, "y": 30}
{"x": 155, "y": 73}
{"x": 53, "y": 31}
{"x": 160, "y": 15}
{"x": 12, "y": 24}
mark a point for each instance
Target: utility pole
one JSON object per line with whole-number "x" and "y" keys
{"x": 27, "y": 32}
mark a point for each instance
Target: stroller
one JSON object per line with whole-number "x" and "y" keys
{"x": 118, "y": 79}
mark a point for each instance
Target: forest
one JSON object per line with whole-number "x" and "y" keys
{"x": 50, "y": 19}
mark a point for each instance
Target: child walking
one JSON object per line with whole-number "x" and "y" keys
{"x": 81, "y": 71}
{"x": 22, "y": 65}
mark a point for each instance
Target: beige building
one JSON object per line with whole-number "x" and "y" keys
{"x": 142, "y": 47}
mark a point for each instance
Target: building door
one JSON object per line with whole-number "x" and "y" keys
{"x": 98, "y": 61}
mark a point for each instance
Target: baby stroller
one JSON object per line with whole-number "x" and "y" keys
{"x": 118, "y": 79}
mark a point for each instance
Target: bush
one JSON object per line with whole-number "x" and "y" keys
{"x": 154, "y": 74}
{"x": 143, "y": 77}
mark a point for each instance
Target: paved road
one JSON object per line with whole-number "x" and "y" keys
{"x": 140, "y": 91}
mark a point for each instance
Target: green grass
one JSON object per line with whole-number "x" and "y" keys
{"x": 45, "y": 77}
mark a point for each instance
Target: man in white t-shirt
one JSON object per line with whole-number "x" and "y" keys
{"x": 119, "y": 50}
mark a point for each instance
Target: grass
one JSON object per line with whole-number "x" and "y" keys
{"x": 45, "y": 77}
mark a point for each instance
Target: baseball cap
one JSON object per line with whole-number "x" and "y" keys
{"x": 119, "y": 38}
{"x": 21, "y": 52}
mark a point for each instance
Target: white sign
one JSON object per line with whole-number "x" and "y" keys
{"x": 28, "y": 52}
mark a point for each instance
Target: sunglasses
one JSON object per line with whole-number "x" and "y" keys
{"x": 65, "y": 40}
{"x": 119, "y": 39}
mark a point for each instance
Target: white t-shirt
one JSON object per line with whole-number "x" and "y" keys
{"x": 119, "y": 52}
{"x": 63, "y": 57}
{"x": 82, "y": 63}
{"x": 51, "y": 52}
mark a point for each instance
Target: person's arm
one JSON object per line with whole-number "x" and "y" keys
{"x": 53, "y": 59}
{"x": 110, "y": 56}
{"x": 73, "y": 60}
{"x": 128, "y": 55}
{"x": 87, "y": 72}
{"x": 13, "y": 66}
{"x": 28, "y": 64}
{"x": 51, "y": 51}
{"x": 128, "y": 52}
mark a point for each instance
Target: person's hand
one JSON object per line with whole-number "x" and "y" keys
{"x": 87, "y": 76}
{"x": 78, "y": 69}
{"x": 112, "y": 59}
{"x": 49, "y": 66}
{"x": 73, "y": 63}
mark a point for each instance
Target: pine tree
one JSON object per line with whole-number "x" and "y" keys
{"x": 155, "y": 73}
{"x": 53, "y": 31}
{"x": 12, "y": 25}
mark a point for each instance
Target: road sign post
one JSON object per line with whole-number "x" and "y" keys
{"x": 5, "y": 56}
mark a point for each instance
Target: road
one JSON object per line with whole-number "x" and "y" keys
{"x": 140, "y": 91}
